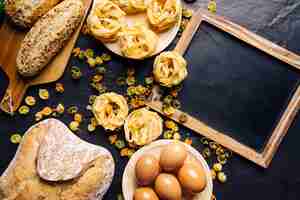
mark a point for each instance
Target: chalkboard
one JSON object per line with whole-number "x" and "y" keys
{"x": 234, "y": 87}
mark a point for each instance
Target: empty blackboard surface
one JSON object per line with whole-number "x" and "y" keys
{"x": 235, "y": 88}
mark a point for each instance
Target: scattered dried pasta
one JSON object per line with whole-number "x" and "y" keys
{"x": 110, "y": 110}
{"x": 143, "y": 126}
{"x": 170, "y": 68}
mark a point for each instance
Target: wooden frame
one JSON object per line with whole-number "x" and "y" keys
{"x": 261, "y": 158}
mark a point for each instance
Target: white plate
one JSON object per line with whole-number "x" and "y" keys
{"x": 129, "y": 182}
{"x": 164, "y": 38}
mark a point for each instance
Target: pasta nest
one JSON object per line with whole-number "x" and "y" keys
{"x": 110, "y": 110}
{"x": 131, "y": 6}
{"x": 142, "y": 127}
{"x": 163, "y": 14}
{"x": 137, "y": 42}
{"x": 170, "y": 68}
{"x": 105, "y": 21}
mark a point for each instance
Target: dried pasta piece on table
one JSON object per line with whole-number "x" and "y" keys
{"x": 44, "y": 94}
{"x": 105, "y": 21}
{"x": 30, "y": 100}
{"x": 138, "y": 41}
{"x": 163, "y": 14}
{"x": 143, "y": 126}
{"x": 110, "y": 110}
{"x": 170, "y": 68}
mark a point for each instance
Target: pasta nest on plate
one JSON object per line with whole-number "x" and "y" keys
{"x": 105, "y": 21}
{"x": 110, "y": 110}
{"x": 137, "y": 42}
{"x": 170, "y": 68}
{"x": 131, "y": 6}
{"x": 143, "y": 126}
{"x": 163, "y": 14}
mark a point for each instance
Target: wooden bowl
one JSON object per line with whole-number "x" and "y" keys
{"x": 129, "y": 182}
{"x": 164, "y": 38}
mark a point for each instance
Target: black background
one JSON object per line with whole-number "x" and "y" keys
{"x": 278, "y": 21}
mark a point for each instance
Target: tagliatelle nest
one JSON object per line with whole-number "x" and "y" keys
{"x": 170, "y": 68}
{"x": 137, "y": 42}
{"x": 131, "y": 6}
{"x": 110, "y": 110}
{"x": 105, "y": 21}
{"x": 143, "y": 126}
{"x": 163, "y": 14}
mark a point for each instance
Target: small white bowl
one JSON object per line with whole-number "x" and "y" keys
{"x": 129, "y": 182}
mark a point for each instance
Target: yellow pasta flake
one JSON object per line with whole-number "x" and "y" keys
{"x": 46, "y": 111}
{"x": 188, "y": 141}
{"x": 78, "y": 117}
{"x": 24, "y": 110}
{"x": 74, "y": 126}
{"x": 60, "y": 109}
{"x": 176, "y": 136}
{"x": 15, "y": 138}
{"x": 38, "y": 116}
{"x": 44, "y": 94}
{"x": 59, "y": 88}
{"x": 30, "y": 101}
{"x": 112, "y": 139}
{"x": 212, "y": 6}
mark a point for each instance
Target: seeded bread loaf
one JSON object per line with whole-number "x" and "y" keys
{"x": 26, "y": 12}
{"x": 52, "y": 163}
{"x": 47, "y": 37}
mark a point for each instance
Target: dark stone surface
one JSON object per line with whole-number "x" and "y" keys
{"x": 277, "y": 20}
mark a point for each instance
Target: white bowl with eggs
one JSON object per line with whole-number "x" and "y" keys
{"x": 130, "y": 182}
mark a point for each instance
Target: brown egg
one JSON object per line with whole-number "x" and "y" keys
{"x": 147, "y": 169}
{"x": 167, "y": 187}
{"x": 172, "y": 157}
{"x": 145, "y": 193}
{"x": 192, "y": 177}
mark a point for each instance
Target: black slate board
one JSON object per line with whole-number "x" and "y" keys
{"x": 235, "y": 88}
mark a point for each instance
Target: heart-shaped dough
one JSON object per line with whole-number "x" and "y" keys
{"x": 52, "y": 163}
{"x": 62, "y": 155}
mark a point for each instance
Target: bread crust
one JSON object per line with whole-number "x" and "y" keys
{"x": 47, "y": 37}
{"x": 20, "y": 181}
{"x": 25, "y": 13}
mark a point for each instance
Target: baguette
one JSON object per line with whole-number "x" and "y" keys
{"x": 25, "y": 13}
{"x": 47, "y": 37}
